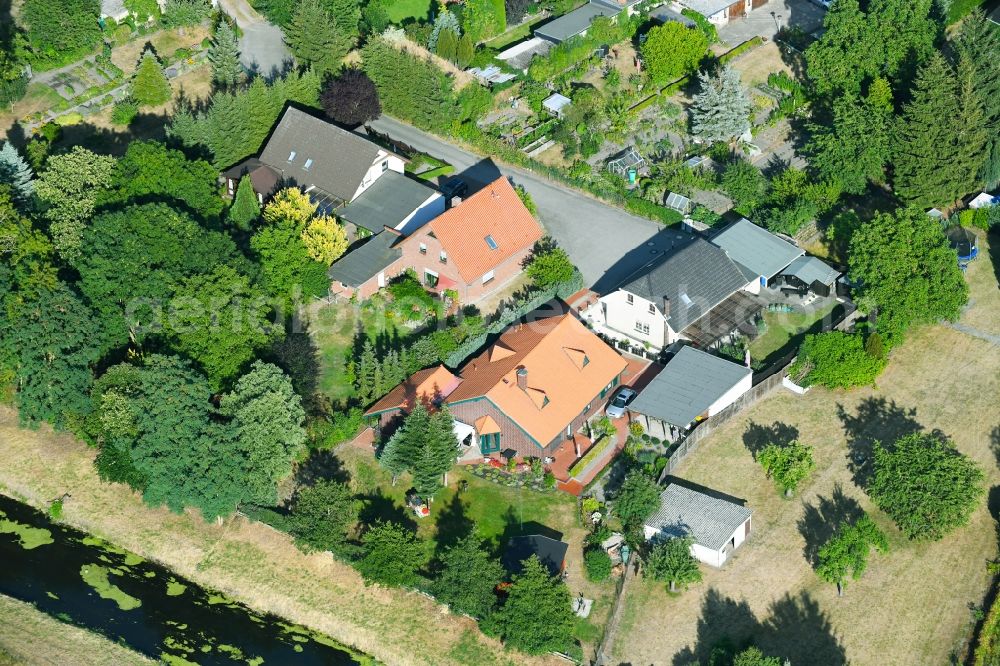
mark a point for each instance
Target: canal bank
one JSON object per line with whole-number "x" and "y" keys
{"x": 246, "y": 561}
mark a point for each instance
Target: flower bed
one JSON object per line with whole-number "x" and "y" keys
{"x": 523, "y": 475}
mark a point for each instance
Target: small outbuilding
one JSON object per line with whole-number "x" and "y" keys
{"x": 757, "y": 248}
{"x": 556, "y": 104}
{"x": 716, "y": 524}
{"x": 810, "y": 273}
{"x": 550, "y": 552}
{"x": 628, "y": 164}
{"x": 678, "y": 202}
{"x": 692, "y": 387}
{"x": 984, "y": 200}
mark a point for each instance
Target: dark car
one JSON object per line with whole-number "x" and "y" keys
{"x": 456, "y": 187}
{"x": 616, "y": 408}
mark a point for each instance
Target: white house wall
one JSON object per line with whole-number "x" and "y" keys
{"x": 706, "y": 555}
{"x": 375, "y": 170}
{"x": 426, "y": 212}
{"x": 622, "y": 316}
{"x": 732, "y": 395}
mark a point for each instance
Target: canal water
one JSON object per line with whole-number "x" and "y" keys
{"x": 92, "y": 584}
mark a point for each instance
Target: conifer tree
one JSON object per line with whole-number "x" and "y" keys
{"x": 445, "y": 21}
{"x": 464, "y": 51}
{"x": 721, "y": 111}
{"x": 447, "y": 45}
{"x": 928, "y": 140}
{"x": 973, "y": 135}
{"x": 150, "y": 86}
{"x": 224, "y": 55}
{"x": 979, "y": 43}
{"x": 16, "y": 172}
{"x": 437, "y": 453}
{"x": 366, "y": 374}
{"x": 854, "y": 148}
{"x": 245, "y": 208}
{"x": 316, "y": 39}
{"x": 346, "y": 14}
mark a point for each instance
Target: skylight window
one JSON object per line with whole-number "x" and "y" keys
{"x": 308, "y": 164}
{"x": 491, "y": 243}
{"x": 291, "y": 156}
{"x": 687, "y": 300}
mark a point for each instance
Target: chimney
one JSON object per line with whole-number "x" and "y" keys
{"x": 456, "y": 201}
{"x": 522, "y": 378}
{"x": 666, "y": 307}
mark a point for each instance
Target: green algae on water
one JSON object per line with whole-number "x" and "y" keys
{"x": 97, "y": 577}
{"x": 30, "y": 537}
{"x": 174, "y": 588}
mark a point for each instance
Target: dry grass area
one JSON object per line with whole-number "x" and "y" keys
{"x": 164, "y": 43}
{"x": 247, "y": 561}
{"x": 983, "y": 311}
{"x": 911, "y": 606}
{"x": 759, "y": 62}
{"x": 29, "y": 636}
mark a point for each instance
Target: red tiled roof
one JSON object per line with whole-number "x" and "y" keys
{"x": 495, "y": 212}
{"x": 423, "y": 385}
{"x": 567, "y": 367}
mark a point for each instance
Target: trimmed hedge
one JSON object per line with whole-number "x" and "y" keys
{"x": 598, "y": 449}
{"x": 740, "y": 49}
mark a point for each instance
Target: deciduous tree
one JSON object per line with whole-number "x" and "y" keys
{"x": 351, "y": 99}
{"x": 855, "y": 148}
{"x": 637, "y": 499}
{"x": 481, "y": 19}
{"x": 847, "y": 551}
{"x": 468, "y": 577}
{"x": 325, "y": 239}
{"x": 322, "y": 515}
{"x": 548, "y": 264}
{"x": 392, "y": 555}
{"x": 290, "y": 206}
{"x": 60, "y": 31}
{"x": 836, "y": 360}
{"x": 788, "y": 465}
{"x": 925, "y": 485}
{"x": 672, "y": 50}
{"x": 185, "y": 13}
{"x": 671, "y": 561}
{"x": 745, "y": 185}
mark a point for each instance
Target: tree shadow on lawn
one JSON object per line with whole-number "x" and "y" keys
{"x": 876, "y": 420}
{"x": 321, "y": 465}
{"x": 796, "y": 629}
{"x": 453, "y": 524}
{"x": 758, "y": 436}
{"x": 995, "y": 443}
{"x": 820, "y": 520}
{"x": 377, "y": 506}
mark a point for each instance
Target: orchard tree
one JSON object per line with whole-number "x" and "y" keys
{"x": 672, "y": 50}
{"x": 721, "y": 111}
{"x": 548, "y": 264}
{"x": 316, "y": 39}
{"x": 906, "y": 271}
{"x": 220, "y": 321}
{"x": 322, "y": 515}
{"x": 637, "y": 499}
{"x": 788, "y": 465}
{"x": 847, "y": 551}
{"x": 245, "y": 209}
{"x": 468, "y": 578}
{"x": 15, "y": 172}
{"x": 671, "y": 561}
{"x": 351, "y": 99}
{"x": 925, "y": 485}
{"x": 537, "y": 617}
{"x": 392, "y": 555}
{"x": 224, "y": 55}
{"x": 68, "y": 189}
{"x": 150, "y": 86}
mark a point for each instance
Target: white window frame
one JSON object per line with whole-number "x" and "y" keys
{"x": 488, "y": 276}
{"x": 423, "y": 248}
{"x": 630, "y": 299}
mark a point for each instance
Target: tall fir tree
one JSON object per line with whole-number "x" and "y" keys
{"x": 16, "y": 172}
{"x": 346, "y": 14}
{"x": 928, "y": 140}
{"x": 245, "y": 209}
{"x": 224, "y": 55}
{"x": 854, "y": 148}
{"x": 978, "y": 42}
{"x": 316, "y": 39}
{"x": 367, "y": 367}
{"x": 436, "y": 454}
{"x": 445, "y": 20}
{"x": 150, "y": 86}
{"x": 721, "y": 111}
{"x": 447, "y": 45}
{"x": 465, "y": 51}
{"x": 973, "y": 133}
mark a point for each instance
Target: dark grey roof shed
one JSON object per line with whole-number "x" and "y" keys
{"x": 573, "y": 23}
{"x": 695, "y": 278}
{"x": 691, "y": 382}
{"x": 366, "y": 261}
{"x": 756, "y": 248}
{"x": 311, "y": 152}
{"x": 710, "y": 521}
{"x": 387, "y": 202}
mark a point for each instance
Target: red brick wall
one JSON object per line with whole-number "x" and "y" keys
{"x": 467, "y": 292}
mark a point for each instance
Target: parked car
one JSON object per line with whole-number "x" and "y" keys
{"x": 455, "y": 187}
{"x": 616, "y": 408}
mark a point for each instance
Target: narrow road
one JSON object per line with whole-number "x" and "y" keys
{"x": 262, "y": 46}
{"x": 605, "y": 242}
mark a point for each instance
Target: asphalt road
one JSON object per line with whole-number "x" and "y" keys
{"x": 262, "y": 46}
{"x": 605, "y": 242}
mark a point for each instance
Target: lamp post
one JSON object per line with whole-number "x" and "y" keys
{"x": 776, "y": 17}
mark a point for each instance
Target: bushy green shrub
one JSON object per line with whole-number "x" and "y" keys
{"x": 124, "y": 111}
{"x": 598, "y": 564}
{"x": 836, "y": 360}
{"x": 664, "y": 215}
{"x": 703, "y": 24}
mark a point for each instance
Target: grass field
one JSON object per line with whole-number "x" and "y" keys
{"x": 783, "y": 328}
{"x": 29, "y": 636}
{"x": 249, "y": 562}
{"x": 912, "y": 605}
{"x": 401, "y": 10}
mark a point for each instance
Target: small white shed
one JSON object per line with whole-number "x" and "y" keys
{"x": 717, "y": 526}
{"x": 556, "y": 104}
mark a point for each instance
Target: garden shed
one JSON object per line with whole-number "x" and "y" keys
{"x": 810, "y": 273}
{"x": 717, "y": 525}
{"x": 984, "y": 200}
{"x": 628, "y": 164}
{"x": 678, "y": 202}
{"x": 556, "y": 104}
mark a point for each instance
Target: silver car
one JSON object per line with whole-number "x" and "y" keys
{"x": 616, "y": 408}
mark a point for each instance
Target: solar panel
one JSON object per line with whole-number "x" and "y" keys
{"x": 492, "y": 243}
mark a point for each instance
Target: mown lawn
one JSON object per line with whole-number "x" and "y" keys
{"x": 787, "y": 329}
{"x": 400, "y": 10}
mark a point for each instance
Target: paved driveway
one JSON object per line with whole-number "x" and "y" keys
{"x": 605, "y": 242}
{"x": 801, "y": 13}
{"x": 262, "y": 46}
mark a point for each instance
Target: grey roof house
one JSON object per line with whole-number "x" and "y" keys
{"x": 374, "y": 256}
{"x": 756, "y": 248}
{"x": 578, "y": 21}
{"x": 717, "y": 526}
{"x": 395, "y": 201}
{"x": 693, "y": 386}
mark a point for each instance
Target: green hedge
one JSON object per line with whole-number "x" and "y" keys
{"x": 598, "y": 449}
{"x": 753, "y": 42}
{"x": 706, "y": 26}
{"x": 662, "y": 214}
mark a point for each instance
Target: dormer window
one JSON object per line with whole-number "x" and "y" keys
{"x": 385, "y": 166}
{"x": 308, "y": 164}
{"x": 291, "y": 156}
{"x": 652, "y": 309}
{"x": 444, "y": 257}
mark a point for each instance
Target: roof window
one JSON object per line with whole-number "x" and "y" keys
{"x": 308, "y": 164}
{"x": 291, "y": 156}
{"x": 687, "y": 300}
{"x": 491, "y": 242}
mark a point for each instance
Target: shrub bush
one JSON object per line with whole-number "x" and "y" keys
{"x": 124, "y": 111}
{"x": 598, "y": 564}
{"x": 836, "y": 360}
